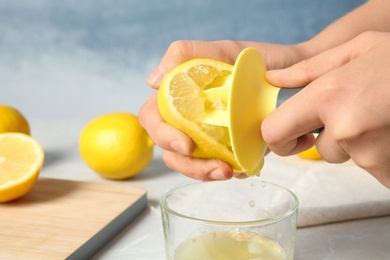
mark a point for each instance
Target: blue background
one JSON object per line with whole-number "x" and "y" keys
{"x": 80, "y": 59}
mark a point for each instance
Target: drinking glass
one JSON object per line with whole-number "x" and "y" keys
{"x": 235, "y": 219}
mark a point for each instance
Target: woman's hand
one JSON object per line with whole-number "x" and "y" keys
{"x": 177, "y": 147}
{"x": 348, "y": 92}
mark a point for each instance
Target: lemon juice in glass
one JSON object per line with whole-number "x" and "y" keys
{"x": 235, "y": 219}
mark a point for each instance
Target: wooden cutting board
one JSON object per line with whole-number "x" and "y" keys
{"x": 61, "y": 219}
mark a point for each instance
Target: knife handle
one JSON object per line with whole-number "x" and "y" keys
{"x": 286, "y": 93}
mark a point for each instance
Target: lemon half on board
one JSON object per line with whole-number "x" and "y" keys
{"x": 21, "y": 158}
{"x": 221, "y": 108}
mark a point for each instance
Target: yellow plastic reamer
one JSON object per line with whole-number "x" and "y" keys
{"x": 250, "y": 99}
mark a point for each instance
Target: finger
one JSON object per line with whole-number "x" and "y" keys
{"x": 367, "y": 147}
{"x": 181, "y": 51}
{"x": 286, "y": 129}
{"x": 275, "y": 56}
{"x": 330, "y": 148}
{"x": 371, "y": 152}
{"x": 164, "y": 135}
{"x": 310, "y": 69}
{"x": 200, "y": 169}
{"x": 375, "y": 161}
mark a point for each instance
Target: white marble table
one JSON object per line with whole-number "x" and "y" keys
{"x": 143, "y": 239}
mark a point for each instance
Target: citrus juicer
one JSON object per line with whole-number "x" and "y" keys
{"x": 250, "y": 99}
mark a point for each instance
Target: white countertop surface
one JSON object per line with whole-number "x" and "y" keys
{"x": 367, "y": 238}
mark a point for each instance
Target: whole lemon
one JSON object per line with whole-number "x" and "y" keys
{"x": 11, "y": 120}
{"x": 116, "y": 146}
{"x": 311, "y": 154}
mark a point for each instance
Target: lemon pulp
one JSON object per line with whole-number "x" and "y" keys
{"x": 193, "y": 98}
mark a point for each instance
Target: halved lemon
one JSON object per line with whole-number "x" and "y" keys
{"x": 21, "y": 158}
{"x": 221, "y": 107}
{"x": 193, "y": 98}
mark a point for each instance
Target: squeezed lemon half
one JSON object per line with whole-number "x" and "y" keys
{"x": 193, "y": 98}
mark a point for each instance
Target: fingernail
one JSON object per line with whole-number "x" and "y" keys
{"x": 156, "y": 76}
{"x": 179, "y": 146}
{"x": 217, "y": 174}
